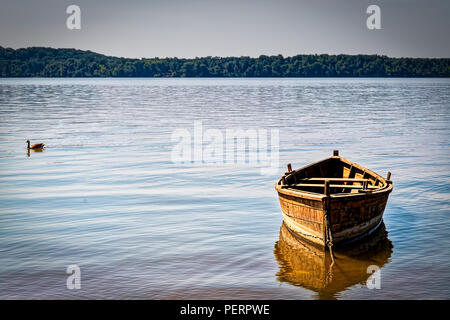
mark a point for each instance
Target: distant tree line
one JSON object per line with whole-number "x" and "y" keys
{"x": 49, "y": 62}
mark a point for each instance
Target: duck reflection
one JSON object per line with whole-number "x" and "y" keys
{"x": 34, "y": 150}
{"x": 303, "y": 264}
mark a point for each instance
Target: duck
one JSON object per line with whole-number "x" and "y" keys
{"x": 35, "y": 146}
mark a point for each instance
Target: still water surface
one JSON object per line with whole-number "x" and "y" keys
{"x": 106, "y": 196}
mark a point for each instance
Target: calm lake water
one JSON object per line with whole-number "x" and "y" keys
{"x": 105, "y": 194}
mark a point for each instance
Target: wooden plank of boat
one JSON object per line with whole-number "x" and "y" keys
{"x": 335, "y": 179}
{"x": 315, "y": 185}
{"x": 349, "y": 197}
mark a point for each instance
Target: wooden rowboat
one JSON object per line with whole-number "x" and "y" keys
{"x": 333, "y": 201}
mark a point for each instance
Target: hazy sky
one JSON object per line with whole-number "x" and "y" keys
{"x": 189, "y": 28}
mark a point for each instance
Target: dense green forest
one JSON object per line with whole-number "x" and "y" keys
{"x": 49, "y": 62}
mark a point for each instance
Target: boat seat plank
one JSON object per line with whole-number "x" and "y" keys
{"x": 344, "y": 186}
{"x": 335, "y": 179}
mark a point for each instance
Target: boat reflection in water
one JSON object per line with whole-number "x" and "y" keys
{"x": 303, "y": 264}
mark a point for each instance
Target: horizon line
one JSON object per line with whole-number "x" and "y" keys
{"x": 210, "y": 56}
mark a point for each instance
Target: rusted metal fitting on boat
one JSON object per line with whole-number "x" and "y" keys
{"x": 388, "y": 178}
{"x": 289, "y": 167}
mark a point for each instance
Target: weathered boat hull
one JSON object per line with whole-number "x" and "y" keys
{"x": 350, "y": 215}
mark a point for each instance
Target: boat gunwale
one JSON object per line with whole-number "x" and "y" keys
{"x": 386, "y": 188}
